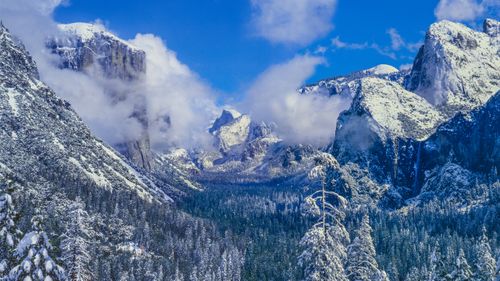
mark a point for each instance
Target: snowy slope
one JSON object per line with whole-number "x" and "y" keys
{"x": 395, "y": 111}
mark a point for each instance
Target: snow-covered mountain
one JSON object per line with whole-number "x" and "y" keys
{"x": 90, "y": 49}
{"x": 457, "y": 68}
{"x": 72, "y": 187}
{"x": 390, "y": 112}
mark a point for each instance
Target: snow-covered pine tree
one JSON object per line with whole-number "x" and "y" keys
{"x": 484, "y": 260}
{"x": 323, "y": 245}
{"x": 462, "y": 270}
{"x": 437, "y": 269}
{"x": 34, "y": 261}
{"x": 76, "y": 243}
{"x": 361, "y": 263}
{"x": 413, "y": 275}
{"x": 9, "y": 233}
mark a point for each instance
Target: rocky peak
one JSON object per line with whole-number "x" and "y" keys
{"x": 226, "y": 116}
{"x": 491, "y": 27}
{"x": 84, "y": 45}
{"x": 233, "y": 133}
{"x": 457, "y": 68}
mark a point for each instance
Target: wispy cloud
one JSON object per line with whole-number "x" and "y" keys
{"x": 299, "y": 118}
{"x": 339, "y": 44}
{"x": 460, "y": 10}
{"x": 296, "y": 22}
{"x": 396, "y": 40}
{"x": 336, "y": 43}
{"x": 397, "y": 44}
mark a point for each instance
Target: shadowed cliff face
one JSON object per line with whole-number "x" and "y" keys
{"x": 89, "y": 49}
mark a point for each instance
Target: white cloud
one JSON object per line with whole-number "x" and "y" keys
{"x": 173, "y": 90}
{"x": 299, "y": 118}
{"x": 339, "y": 44}
{"x": 170, "y": 91}
{"x": 397, "y": 44}
{"x": 460, "y": 10}
{"x": 396, "y": 40}
{"x": 292, "y": 21}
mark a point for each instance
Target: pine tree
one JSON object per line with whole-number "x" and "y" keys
{"x": 34, "y": 259}
{"x": 9, "y": 233}
{"x": 413, "y": 275}
{"x": 437, "y": 269}
{"x": 76, "y": 243}
{"x": 462, "y": 270}
{"x": 323, "y": 245}
{"x": 361, "y": 262}
{"x": 484, "y": 260}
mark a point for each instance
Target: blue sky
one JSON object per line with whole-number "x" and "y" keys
{"x": 217, "y": 40}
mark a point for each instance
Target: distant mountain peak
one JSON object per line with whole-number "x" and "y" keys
{"x": 381, "y": 69}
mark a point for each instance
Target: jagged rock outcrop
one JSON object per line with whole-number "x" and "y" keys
{"x": 457, "y": 68}
{"x": 90, "y": 49}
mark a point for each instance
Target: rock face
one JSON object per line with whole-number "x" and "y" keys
{"x": 381, "y": 115}
{"x": 87, "y": 45}
{"x": 47, "y": 136}
{"x": 457, "y": 68}
{"x": 471, "y": 140}
{"x": 90, "y": 49}
{"x": 231, "y": 129}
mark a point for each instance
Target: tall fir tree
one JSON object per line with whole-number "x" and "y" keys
{"x": 484, "y": 260}
{"x": 361, "y": 262}
{"x": 462, "y": 270}
{"x": 437, "y": 270}
{"x": 323, "y": 245}
{"x": 34, "y": 260}
{"x": 76, "y": 243}
{"x": 9, "y": 233}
